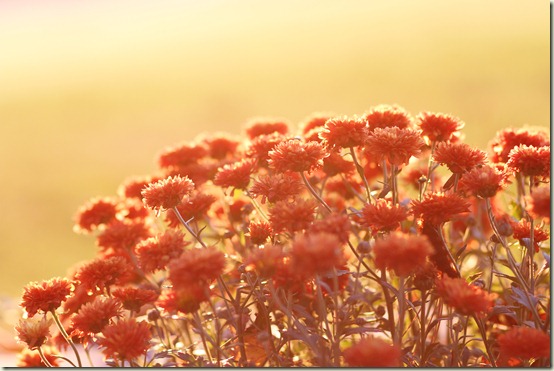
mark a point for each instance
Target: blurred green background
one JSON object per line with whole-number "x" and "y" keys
{"x": 91, "y": 91}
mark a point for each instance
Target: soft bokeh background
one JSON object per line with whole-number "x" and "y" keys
{"x": 91, "y": 91}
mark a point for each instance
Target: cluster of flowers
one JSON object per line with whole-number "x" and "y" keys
{"x": 374, "y": 240}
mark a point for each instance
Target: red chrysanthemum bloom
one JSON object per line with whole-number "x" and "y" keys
{"x": 260, "y": 146}
{"x": 196, "y": 265}
{"x": 167, "y": 193}
{"x": 336, "y": 164}
{"x": 344, "y": 132}
{"x": 95, "y": 212}
{"x": 317, "y": 253}
{"x": 466, "y": 299}
{"x": 394, "y": 145}
{"x": 383, "y": 216}
{"x": 402, "y": 253}
{"x": 156, "y": 252}
{"x": 198, "y": 172}
{"x": 45, "y": 296}
{"x": 289, "y": 277}
{"x": 133, "y": 186}
{"x": 439, "y": 127}
{"x": 123, "y": 235}
{"x": 334, "y": 223}
{"x": 530, "y": 161}
{"x": 186, "y": 299}
{"x": 259, "y": 232}
{"x": 134, "y": 298}
{"x": 94, "y": 316}
{"x": 483, "y": 181}
{"x": 133, "y": 209}
{"x": 195, "y": 207}
{"x": 277, "y": 187}
{"x": 315, "y": 120}
{"x": 236, "y": 175}
{"x": 181, "y": 155}
{"x": 522, "y": 233}
{"x": 126, "y": 339}
{"x": 295, "y": 155}
{"x": 292, "y": 216}
{"x": 104, "y": 272}
{"x": 387, "y": 116}
{"x": 257, "y": 127}
{"x": 221, "y": 145}
{"x": 438, "y": 208}
{"x": 507, "y": 139}
{"x": 265, "y": 261}
{"x": 538, "y": 203}
{"x": 459, "y": 157}
{"x": 33, "y": 332}
{"x": 373, "y": 352}
{"x": 31, "y": 358}
{"x": 524, "y": 342}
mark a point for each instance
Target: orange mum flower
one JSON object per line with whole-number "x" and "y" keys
{"x": 259, "y": 232}
{"x": 265, "y": 261}
{"x": 260, "y": 146}
{"x": 464, "y": 298}
{"x": 181, "y": 155}
{"x": 134, "y": 298}
{"x": 31, "y": 358}
{"x": 45, "y": 296}
{"x": 294, "y": 155}
{"x": 126, "y": 339}
{"x": 402, "y": 253}
{"x": 257, "y": 127}
{"x": 538, "y": 203}
{"x": 344, "y": 132}
{"x": 336, "y": 164}
{"x": 317, "y": 253}
{"x": 459, "y": 157}
{"x": 195, "y": 207}
{"x": 167, "y": 193}
{"x": 94, "y": 316}
{"x": 186, "y": 299}
{"x": 292, "y": 216}
{"x": 394, "y": 145}
{"x": 439, "y": 127}
{"x": 155, "y": 253}
{"x": 373, "y": 352}
{"x": 507, "y": 139}
{"x": 524, "y": 342}
{"x": 385, "y": 116}
{"x": 196, "y": 265}
{"x": 277, "y": 187}
{"x": 530, "y": 161}
{"x": 383, "y": 216}
{"x": 96, "y": 212}
{"x": 33, "y": 332}
{"x": 221, "y": 145}
{"x": 484, "y": 181}
{"x": 335, "y": 223}
{"x": 132, "y": 186}
{"x": 236, "y": 175}
{"x": 315, "y": 120}
{"x": 123, "y": 235}
{"x": 437, "y": 208}
{"x": 522, "y": 232}
{"x": 103, "y": 273}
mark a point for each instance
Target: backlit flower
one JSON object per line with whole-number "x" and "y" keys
{"x": 483, "y": 181}
{"x": 102, "y": 273}
{"x": 386, "y": 116}
{"x": 46, "y": 295}
{"x": 221, "y": 145}
{"x": 373, "y": 352}
{"x": 31, "y": 358}
{"x": 260, "y": 146}
{"x": 292, "y": 216}
{"x": 336, "y": 164}
{"x": 96, "y": 212}
{"x": 167, "y": 193}
{"x": 317, "y": 253}
{"x": 530, "y": 161}
{"x": 277, "y": 187}
{"x": 459, "y": 157}
{"x": 181, "y": 155}
{"x": 259, "y": 232}
{"x": 261, "y": 126}
{"x": 466, "y": 299}
{"x": 383, "y": 216}
{"x": 522, "y": 232}
{"x": 334, "y": 223}
{"x": 437, "y": 208}
{"x": 132, "y": 186}
{"x": 538, "y": 203}
{"x": 315, "y": 120}
{"x": 394, "y": 145}
{"x": 94, "y": 316}
{"x": 194, "y": 207}
{"x": 264, "y": 261}
{"x": 125, "y": 339}
{"x": 439, "y": 127}
{"x": 344, "y": 132}
{"x": 507, "y": 139}
{"x": 33, "y": 332}
{"x": 134, "y": 298}
{"x": 186, "y": 299}
{"x": 156, "y": 252}
{"x": 402, "y": 253}
{"x": 236, "y": 175}
{"x": 294, "y": 155}
{"x": 524, "y": 342}
{"x": 123, "y": 235}
{"x": 196, "y": 265}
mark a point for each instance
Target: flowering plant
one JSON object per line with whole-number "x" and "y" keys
{"x": 375, "y": 240}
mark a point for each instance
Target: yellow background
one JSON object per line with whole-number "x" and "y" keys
{"x": 91, "y": 91}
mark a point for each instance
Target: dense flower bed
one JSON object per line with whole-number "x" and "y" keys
{"x": 374, "y": 240}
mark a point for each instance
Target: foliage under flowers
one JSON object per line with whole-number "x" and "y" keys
{"x": 373, "y": 240}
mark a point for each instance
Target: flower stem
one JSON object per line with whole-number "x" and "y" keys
{"x": 48, "y": 364}
{"x": 66, "y": 336}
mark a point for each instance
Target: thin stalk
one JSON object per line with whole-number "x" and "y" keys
{"x": 430, "y": 167}
{"x": 423, "y": 323}
{"x": 388, "y": 301}
{"x": 483, "y": 332}
{"x": 361, "y": 172}
{"x": 322, "y": 309}
{"x": 314, "y": 193}
{"x": 66, "y": 336}
{"x": 394, "y": 184}
{"x": 43, "y": 357}
{"x": 198, "y": 322}
{"x": 401, "y": 304}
